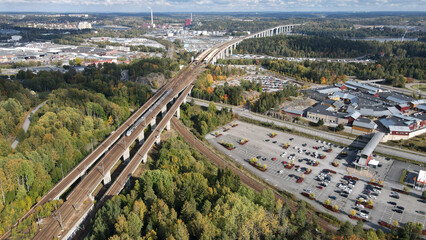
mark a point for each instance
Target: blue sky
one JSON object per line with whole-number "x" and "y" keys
{"x": 209, "y": 5}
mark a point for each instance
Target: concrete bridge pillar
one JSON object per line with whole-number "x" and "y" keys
{"x": 178, "y": 113}
{"x": 230, "y": 51}
{"x": 168, "y": 126}
{"x": 184, "y": 100}
{"x": 91, "y": 197}
{"x": 126, "y": 155}
{"x": 107, "y": 177}
{"x": 153, "y": 123}
{"x": 164, "y": 110}
{"x": 145, "y": 158}
{"x": 157, "y": 140}
{"x": 141, "y": 137}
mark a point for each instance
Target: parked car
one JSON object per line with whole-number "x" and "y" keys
{"x": 392, "y": 203}
{"x": 332, "y": 197}
{"x": 398, "y": 210}
{"x": 365, "y": 211}
{"x": 400, "y": 207}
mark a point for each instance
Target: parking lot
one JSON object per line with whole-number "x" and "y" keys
{"x": 332, "y": 186}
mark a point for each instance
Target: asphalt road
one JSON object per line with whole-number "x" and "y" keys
{"x": 384, "y": 149}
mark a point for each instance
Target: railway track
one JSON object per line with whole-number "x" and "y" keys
{"x": 255, "y": 185}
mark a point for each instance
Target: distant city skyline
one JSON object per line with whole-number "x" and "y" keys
{"x": 134, "y": 6}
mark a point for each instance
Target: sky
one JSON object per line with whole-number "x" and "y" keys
{"x": 135, "y": 6}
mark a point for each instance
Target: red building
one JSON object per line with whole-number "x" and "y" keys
{"x": 188, "y": 22}
{"x": 403, "y": 107}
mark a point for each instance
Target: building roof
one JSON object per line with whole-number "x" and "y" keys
{"x": 372, "y": 144}
{"x": 399, "y": 128}
{"x": 421, "y": 101}
{"x": 328, "y": 90}
{"x": 421, "y": 107}
{"x": 393, "y": 110}
{"x": 361, "y": 85}
{"x": 365, "y": 123}
{"x": 387, "y": 122}
{"x": 396, "y": 100}
{"x": 293, "y": 111}
{"x": 374, "y": 112}
{"x": 345, "y": 96}
{"x": 354, "y": 115}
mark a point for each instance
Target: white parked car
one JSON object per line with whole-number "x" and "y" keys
{"x": 360, "y": 206}
{"x": 363, "y": 215}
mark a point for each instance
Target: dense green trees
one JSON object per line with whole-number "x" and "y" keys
{"x": 267, "y": 101}
{"x": 62, "y": 132}
{"x": 183, "y": 196}
{"x": 324, "y": 47}
{"x": 396, "y": 71}
{"x": 225, "y": 93}
{"x": 81, "y": 109}
{"x": 204, "y": 121}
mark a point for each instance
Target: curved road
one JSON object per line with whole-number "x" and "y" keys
{"x": 27, "y": 123}
{"x": 384, "y": 149}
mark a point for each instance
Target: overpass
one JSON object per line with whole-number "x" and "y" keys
{"x": 98, "y": 166}
{"x": 225, "y": 50}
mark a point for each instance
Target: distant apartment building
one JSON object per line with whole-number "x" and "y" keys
{"x": 84, "y": 25}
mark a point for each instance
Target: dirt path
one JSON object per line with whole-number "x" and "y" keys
{"x": 27, "y": 123}
{"x": 257, "y": 186}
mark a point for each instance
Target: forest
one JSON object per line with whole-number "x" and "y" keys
{"x": 181, "y": 195}
{"x": 80, "y": 111}
{"x": 267, "y": 101}
{"x": 329, "y": 47}
{"x": 204, "y": 86}
{"x": 397, "y": 72}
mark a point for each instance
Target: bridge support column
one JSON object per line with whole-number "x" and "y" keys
{"x": 184, "y": 100}
{"x": 153, "y": 123}
{"x": 107, "y": 177}
{"x": 178, "y": 113}
{"x": 168, "y": 126}
{"x": 91, "y": 197}
{"x": 141, "y": 137}
{"x": 145, "y": 158}
{"x": 164, "y": 110}
{"x": 158, "y": 140}
{"x": 126, "y": 155}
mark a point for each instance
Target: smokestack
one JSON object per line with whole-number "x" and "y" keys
{"x": 152, "y": 17}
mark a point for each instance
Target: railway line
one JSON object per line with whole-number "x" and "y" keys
{"x": 97, "y": 166}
